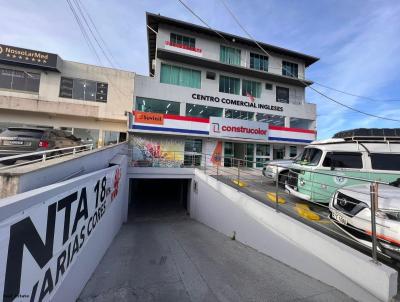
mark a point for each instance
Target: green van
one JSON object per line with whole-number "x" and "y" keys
{"x": 329, "y": 165}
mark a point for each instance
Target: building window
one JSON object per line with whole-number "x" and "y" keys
{"x": 19, "y": 80}
{"x": 292, "y": 151}
{"x": 300, "y": 123}
{"x": 268, "y": 86}
{"x": 275, "y": 120}
{"x": 83, "y": 90}
{"x": 238, "y": 114}
{"x": 193, "y": 149}
{"x": 290, "y": 69}
{"x": 282, "y": 94}
{"x": 182, "y": 40}
{"x": 180, "y": 76}
{"x": 229, "y": 55}
{"x": 262, "y": 154}
{"x": 258, "y": 62}
{"x": 210, "y": 75}
{"x": 251, "y": 88}
{"x": 202, "y": 111}
{"x": 229, "y": 85}
{"x": 156, "y": 106}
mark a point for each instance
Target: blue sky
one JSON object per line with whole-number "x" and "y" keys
{"x": 358, "y": 42}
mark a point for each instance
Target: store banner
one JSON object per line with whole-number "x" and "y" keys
{"x": 39, "y": 246}
{"x": 237, "y": 128}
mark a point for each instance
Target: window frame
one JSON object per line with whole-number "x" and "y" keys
{"x": 373, "y": 154}
{"x": 261, "y": 58}
{"x": 332, "y": 154}
{"x": 254, "y": 85}
{"x": 96, "y": 96}
{"x": 179, "y": 77}
{"x": 230, "y": 53}
{"x": 293, "y": 69}
{"x": 229, "y": 78}
{"x": 277, "y": 88}
{"x": 27, "y": 75}
{"x": 182, "y": 40}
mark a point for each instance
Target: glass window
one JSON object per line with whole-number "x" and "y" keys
{"x": 262, "y": 150}
{"x": 229, "y": 55}
{"x": 238, "y": 114}
{"x": 258, "y": 62}
{"x": 292, "y": 151}
{"x": 390, "y": 162}
{"x": 180, "y": 76}
{"x": 275, "y": 120}
{"x": 87, "y": 136}
{"x": 182, "y": 40}
{"x": 282, "y": 94}
{"x": 81, "y": 89}
{"x": 202, "y": 111}
{"x": 229, "y": 85}
{"x": 311, "y": 156}
{"x": 251, "y": 88}
{"x": 110, "y": 137}
{"x": 343, "y": 160}
{"x": 300, "y": 123}
{"x": 193, "y": 145}
{"x": 268, "y": 86}
{"x": 290, "y": 69}
{"x": 19, "y": 80}
{"x": 156, "y": 106}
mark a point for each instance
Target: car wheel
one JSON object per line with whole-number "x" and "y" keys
{"x": 282, "y": 178}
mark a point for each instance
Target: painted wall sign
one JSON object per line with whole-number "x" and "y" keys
{"x": 29, "y": 57}
{"x": 41, "y": 244}
{"x": 240, "y": 103}
{"x": 236, "y": 128}
{"x": 149, "y": 118}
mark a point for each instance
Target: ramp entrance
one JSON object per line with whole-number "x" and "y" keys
{"x": 158, "y": 197}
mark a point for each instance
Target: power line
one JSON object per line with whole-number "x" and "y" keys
{"x": 104, "y": 50}
{"x": 300, "y": 80}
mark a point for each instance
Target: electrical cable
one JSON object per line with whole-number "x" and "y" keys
{"x": 298, "y": 79}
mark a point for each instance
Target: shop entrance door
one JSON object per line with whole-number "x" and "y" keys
{"x": 279, "y": 151}
{"x": 239, "y": 151}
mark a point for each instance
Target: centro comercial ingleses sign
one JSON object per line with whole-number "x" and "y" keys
{"x": 241, "y": 103}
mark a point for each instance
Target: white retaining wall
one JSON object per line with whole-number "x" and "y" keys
{"x": 275, "y": 234}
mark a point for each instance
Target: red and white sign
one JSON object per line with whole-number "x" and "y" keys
{"x": 236, "y": 128}
{"x": 182, "y": 48}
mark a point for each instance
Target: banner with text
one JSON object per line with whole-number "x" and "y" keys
{"x": 39, "y": 245}
{"x": 237, "y": 128}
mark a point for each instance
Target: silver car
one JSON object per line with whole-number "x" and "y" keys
{"x": 280, "y": 167}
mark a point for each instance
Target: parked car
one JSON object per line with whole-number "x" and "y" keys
{"x": 350, "y": 209}
{"x": 280, "y": 167}
{"x": 17, "y": 140}
{"x": 329, "y": 165}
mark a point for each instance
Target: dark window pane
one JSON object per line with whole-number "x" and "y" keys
{"x": 282, "y": 94}
{"x": 390, "y": 162}
{"x": 343, "y": 160}
{"x": 90, "y": 90}
{"x": 19, "y": 80}
{"x": 32, "y": 82}
{"x": 78, "y": 91}
{"x": 5, "y": 78}
{"x": 66, "y": 86}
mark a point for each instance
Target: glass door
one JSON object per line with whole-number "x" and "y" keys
{"x": 228, "y": 154}
{"x": 263, "y": 154}
{"x": 249, "y": 157}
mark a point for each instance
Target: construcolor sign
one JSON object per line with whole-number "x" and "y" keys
{"x": 225, "y": 127}
{"x": 40, "y": 245}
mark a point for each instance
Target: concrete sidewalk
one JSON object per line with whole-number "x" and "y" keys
{"x": 178, "y": 259}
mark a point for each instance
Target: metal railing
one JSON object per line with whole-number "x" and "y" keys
{"x": 239, "y": 171}
{"x": 41, "y": 156}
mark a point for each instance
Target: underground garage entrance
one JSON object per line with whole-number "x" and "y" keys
{"x": 158, "y": 197}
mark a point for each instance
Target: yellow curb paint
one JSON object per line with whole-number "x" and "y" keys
{"x": 272, "y": 197}
{"x": 239, "y": 183}
{"x": 304, "y": 211}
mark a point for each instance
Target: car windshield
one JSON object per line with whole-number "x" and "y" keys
{"x": 29, "y": 133}
{"x": 310, "y": 156}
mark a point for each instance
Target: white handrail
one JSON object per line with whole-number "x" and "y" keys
{"x": 19, "y": 156}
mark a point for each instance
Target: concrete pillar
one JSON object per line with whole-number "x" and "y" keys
{"x": 182, "y": 109}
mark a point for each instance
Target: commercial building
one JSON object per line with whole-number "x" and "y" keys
{"x": 40, "y": 89}
{"x": 218, "y": 94}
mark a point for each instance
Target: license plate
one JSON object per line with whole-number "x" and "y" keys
{"x": 342, "y": 219}
{"x": 16, "y": 142}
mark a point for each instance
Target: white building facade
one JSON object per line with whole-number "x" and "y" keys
{"x": 217, "y": 96}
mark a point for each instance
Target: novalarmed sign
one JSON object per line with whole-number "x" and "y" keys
{"x": 40, "y": 244}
